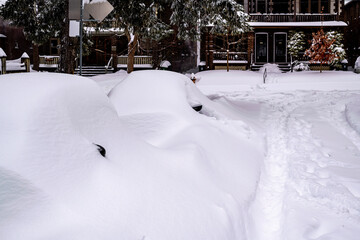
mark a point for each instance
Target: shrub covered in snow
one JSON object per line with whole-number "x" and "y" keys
{"x": 270, "y": 68}
{"x": 299, "y": 66}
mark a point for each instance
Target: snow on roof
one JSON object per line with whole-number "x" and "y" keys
{"x": 165, "y": 64}
{"x": 24, "y": 55}
{"x": 299, "y": 24}
{"x": 2, "y": 53}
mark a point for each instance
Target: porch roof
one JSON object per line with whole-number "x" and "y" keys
{"x": 298, "y": 24}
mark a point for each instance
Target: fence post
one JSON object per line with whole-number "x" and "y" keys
{"x": 26, "y": 60}
{"x": 3, "y": 61}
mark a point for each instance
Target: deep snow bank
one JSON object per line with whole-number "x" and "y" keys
{"x": 169, "y": 172}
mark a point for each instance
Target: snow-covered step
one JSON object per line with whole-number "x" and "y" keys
{"x": 284, "y": 67}
{"x": 256, "y": 66}
{"x": 93, "y": 70}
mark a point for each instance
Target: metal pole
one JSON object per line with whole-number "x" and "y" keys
{"x": 81, "y": 35}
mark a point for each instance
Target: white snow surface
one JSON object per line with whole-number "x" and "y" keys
{"x": 279, "y": 160}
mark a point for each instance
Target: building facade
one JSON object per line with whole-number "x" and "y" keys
{"x": 271, "y": 21}
{"x": 351, "y": 15}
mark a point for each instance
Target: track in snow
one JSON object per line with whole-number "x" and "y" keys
{"x": 310, "y": 182}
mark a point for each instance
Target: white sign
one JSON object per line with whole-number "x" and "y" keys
{"x": 98, "y": 9}
{"x": 74, "y": 28}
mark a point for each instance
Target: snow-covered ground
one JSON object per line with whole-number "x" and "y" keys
{"x": 279, "y": 160}
{"x": 309, "y": 186}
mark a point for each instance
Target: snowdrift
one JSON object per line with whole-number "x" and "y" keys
{"x": 169, "y": 172}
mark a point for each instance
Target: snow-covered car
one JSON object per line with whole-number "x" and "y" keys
{"x": 164, "y": 170}
{"x": 357, "y": 65}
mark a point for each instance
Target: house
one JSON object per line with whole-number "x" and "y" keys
{"x": 272, "y": 21}
{"x": 12, "y": 40}
{"x": 351, "y": 16}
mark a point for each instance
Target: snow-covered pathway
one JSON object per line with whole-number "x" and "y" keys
{"x": 309, "y": 186}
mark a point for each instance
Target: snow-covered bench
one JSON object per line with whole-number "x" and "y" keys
{"x": 21, "y": 64}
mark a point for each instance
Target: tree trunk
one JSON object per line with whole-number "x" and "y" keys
{"x": 320, "y": 67}
{"x": 70, "y": 55}
{"x": 36, "y": 59}
{"x": 131, "y": 53}
{"x": 67, "y": 46}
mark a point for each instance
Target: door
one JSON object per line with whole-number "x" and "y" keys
{"x": 280, "y": 53}
{"x": 261, "y": 47}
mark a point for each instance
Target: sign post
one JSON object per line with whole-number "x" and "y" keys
{"x": 97, "y": 9}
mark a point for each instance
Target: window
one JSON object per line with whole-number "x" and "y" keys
{"x": 281, "y": 6}
{"x": 261, "y": 6}
{"x": 54, "y": 47}
{"x": 325, "y": 6}
{"x": 315, "y": 6}
{"x": 304, "y": 6}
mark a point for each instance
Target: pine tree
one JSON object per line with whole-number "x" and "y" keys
{"x": 140, "y": 20}
{"x": 225, "y": 17}
{"x": 320, "y": 49}
{"x": 337, "y": 47}
{"x": 296, "y": 43}
{"x": 40, "y": 19}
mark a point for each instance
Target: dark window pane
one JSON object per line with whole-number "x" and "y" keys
{"x": 325, "y": 6}
{"x": 281, "y": 6}
{"x": 315, "y": 6}
{"x": 304, "y": 6}
{"x": 261, "y": 8}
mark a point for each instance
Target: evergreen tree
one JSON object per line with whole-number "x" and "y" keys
{"x": 225, "y": 17}
{"x": 320, "y": 49}
{"x": 296, "y": 43}
{"x": 140, "y": 20}
{"x": 40, "y": 19}
{"x": 337, "y": 47}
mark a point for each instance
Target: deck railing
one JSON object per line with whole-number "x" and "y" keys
{"x": 302, "y": 58}
{"x": 49, "y": 61}
{"x": 233, "y": 56}
{"x": 138, "y": 60}
{"x": 290, "y": 17}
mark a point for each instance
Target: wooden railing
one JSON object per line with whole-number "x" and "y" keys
{"x": 290, "y": 17}
{"x": 49, "y": 61}
{"x": 138, "y": 60}
{"x": 237, "y": 56}
{"x": 302, "y": 58}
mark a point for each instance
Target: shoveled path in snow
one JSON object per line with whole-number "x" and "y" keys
{"x": 310, "y": 183}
